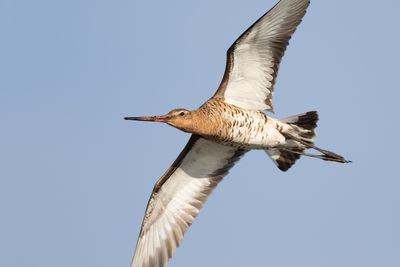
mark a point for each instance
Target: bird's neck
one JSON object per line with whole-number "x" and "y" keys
{"x": 209, "y": 120}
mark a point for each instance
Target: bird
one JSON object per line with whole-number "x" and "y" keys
{"x": 231, "y": 123}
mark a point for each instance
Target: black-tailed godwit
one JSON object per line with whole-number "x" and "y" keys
{"x": 228, "y": 125}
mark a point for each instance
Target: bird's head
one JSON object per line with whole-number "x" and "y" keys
{"x": 178, "y": 118}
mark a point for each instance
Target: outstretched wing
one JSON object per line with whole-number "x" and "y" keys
{"x": 178, "y": 197}
{"x": 253, "y": 59}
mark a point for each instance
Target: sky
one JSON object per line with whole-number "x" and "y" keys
{"x": 75, "y": 177}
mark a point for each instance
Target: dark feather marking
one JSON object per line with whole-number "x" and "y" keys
{"x": 192, "y": 141}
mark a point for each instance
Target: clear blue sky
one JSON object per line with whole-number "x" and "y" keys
{"x": 75, "y": 177}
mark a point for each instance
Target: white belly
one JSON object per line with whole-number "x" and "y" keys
{"x": 256, "y": 131}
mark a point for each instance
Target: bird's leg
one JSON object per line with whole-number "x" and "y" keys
{"x": 327, "y": 155}
{"x": 323, "y": 157}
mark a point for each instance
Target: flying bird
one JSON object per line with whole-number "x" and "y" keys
{"x": 232, "y": 122}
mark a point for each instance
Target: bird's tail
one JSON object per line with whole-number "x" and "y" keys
{"x": 299, "y": 133}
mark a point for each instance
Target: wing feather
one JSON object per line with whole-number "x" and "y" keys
{"x": 253, "y": 59}
{"x": 178, "y": 197}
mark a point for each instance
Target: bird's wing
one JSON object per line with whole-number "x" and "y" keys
{"x": 178, "y": 196}
{"x": 253, "y": 59}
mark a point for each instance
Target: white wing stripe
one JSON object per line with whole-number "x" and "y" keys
{"x": 253, "y": 60}
{"x": 178, "y": 198}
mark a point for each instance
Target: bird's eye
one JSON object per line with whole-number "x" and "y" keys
{"x": 182, "y": 113}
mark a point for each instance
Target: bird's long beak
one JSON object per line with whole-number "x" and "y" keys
{"x": 163, "y": 118}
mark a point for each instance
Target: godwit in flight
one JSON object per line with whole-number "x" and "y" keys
{"x": 228, "y": 125}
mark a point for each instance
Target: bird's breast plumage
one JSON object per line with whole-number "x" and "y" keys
{"x": 234, "y": 126}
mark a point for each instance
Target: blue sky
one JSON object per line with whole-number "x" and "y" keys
{"x": 75, "y": 177}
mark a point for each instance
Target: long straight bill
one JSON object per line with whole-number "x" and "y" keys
{"x": 151, "y": 118}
